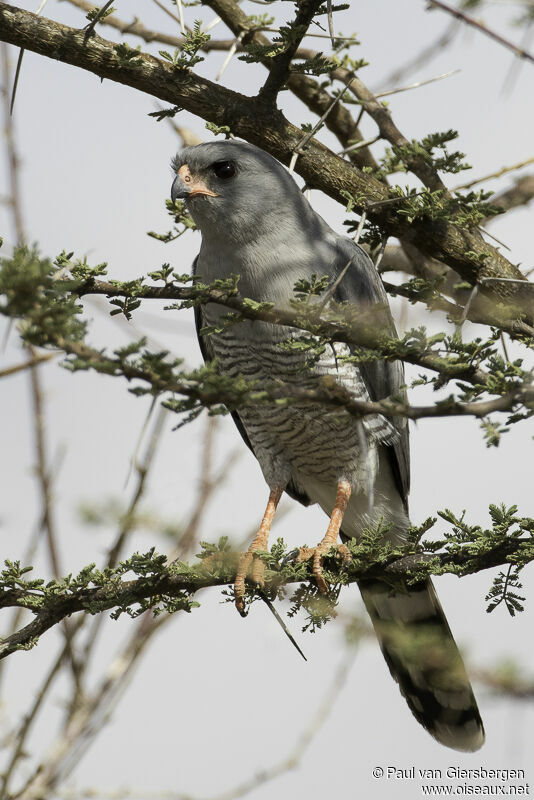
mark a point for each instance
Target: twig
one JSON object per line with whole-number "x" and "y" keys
{"x": 14, "y": 199}
{"x": 101, "y": 14}
{"x": 86, "y": 722}
{"x": 313, "y": 35}
{"x": 465, "y": 312}
{"x": 426, "y": 173}
{"x": 304, "y": 141}
{"x": 19, "y": 65}
{"x": 230, "y": 55}
{"x": 166, "y": 10}
{"x": 499, "y": 241}
{"x": 30, "y": 717}
{"x": 463, "y": 17}
{"x": 208, "y": 483}
{"x": 304, "y": 741}
{"x": 44, "y": 476}
{"x": 358, "y": 145}
{"x": 520, "y": 194}
{"x": 389, "y": 92}
{"x": 492, "y": 175}
{"x": 330, "y": 18}
{"x": 279, "y": 69}
{"x": 516, "y": 65}
{"x": 364, "y": 454}
{"x": 282, "y": 624}
{"x": 427, "y": 54}
{"x": 128, "y": 523}
{"x": 381, "y": 251}
{"x": 28, "y": 558}
{"x": 359, "y": 229}
{"x": 4, "y": 373}
{"x": 181, "y": 16}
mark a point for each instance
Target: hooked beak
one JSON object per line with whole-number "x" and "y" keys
{"x": 185, "y": 186}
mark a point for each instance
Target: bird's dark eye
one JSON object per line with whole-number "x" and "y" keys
{"x": 224, "y": 169}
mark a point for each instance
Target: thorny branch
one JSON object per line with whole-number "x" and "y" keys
{"x": 176, "y": 583}
{"x": 356, "y": 333}
{"x": 280, "y": 63}
{"x": 462, "y": 249}
{"x": 327, "y": 392}
{"x": 83, "y": 720}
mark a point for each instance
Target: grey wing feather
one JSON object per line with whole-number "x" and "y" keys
{"x": 208, "y": 355}
{"x": 361, "y": 284}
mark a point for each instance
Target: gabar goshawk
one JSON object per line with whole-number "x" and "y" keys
{"x": 256, "y": 223}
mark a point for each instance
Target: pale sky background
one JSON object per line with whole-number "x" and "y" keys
{"x": 218, "y": 698}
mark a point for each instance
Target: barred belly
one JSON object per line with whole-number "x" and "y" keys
{"x": 303, "y": 441}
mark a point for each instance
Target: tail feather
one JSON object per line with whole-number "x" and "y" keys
{"x": 422, "y": 656}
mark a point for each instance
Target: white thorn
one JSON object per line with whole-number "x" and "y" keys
{"x": 215, "y": 21}
{"x": 230, "y": 55}
{"x": 181, "y": 15}
{"x": 293, "y": 161}
{"x": 359, "y": 229}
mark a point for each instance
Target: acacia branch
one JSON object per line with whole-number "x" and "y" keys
{"x": 177, "y": 584}
{"x": 356, "y": 333}
{"x": 327, "y": 392}
{"x": 281, "y": 63}
{"x": 339, "y": 121}
{"x": 462, "y": 249}
{"x": 361, "y": 330}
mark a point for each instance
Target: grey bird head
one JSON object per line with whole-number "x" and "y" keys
{"x": 236, "y": 189}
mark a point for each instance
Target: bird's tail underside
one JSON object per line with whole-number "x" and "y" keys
{"x": 422, "y": 656}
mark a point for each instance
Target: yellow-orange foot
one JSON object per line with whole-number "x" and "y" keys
{"x": 261, "y": 542}
{"x": 317, "y": 553}
{"x": 343, "y": 493}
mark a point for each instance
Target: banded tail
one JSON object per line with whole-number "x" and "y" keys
{"x": 422, "y": 656}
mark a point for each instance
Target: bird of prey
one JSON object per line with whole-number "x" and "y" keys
{"x": 256, "y": 223}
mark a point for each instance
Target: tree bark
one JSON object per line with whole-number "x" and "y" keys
{"x": 462, "y": 249}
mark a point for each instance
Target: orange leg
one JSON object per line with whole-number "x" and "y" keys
{"x": 261, "y": 542}
{"x": 344, "y": 491}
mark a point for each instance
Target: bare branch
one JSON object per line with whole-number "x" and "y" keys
{"x": 520, "y": 194}
{"x": 427, "y": 54}
{"x": 44, "y": 476}
{"x": 32, "y": 362}
{"x": 463, "y": 17}
{"x": 496, "y": 174}
{"x": 12, "y": 157}
{"x": 87, "y": 719}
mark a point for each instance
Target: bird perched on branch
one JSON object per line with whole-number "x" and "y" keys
{"x": 256, "y": 223}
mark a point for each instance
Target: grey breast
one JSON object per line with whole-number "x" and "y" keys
{"x": 308, "y": 439}
{"x": 304, "y": 439}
